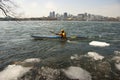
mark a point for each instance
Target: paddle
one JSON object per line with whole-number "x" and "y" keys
{"x": 53, "y": 32}
{"x": 73, "y": 36}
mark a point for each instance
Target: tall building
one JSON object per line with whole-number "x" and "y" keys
{"x": 85, "y": 16}
{"x": 52, "y": 14}
{"x": 65, "y": 15}
{"x": 80, "y": 16}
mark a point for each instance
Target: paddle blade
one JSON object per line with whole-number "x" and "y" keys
{"x": 73, "y": 36}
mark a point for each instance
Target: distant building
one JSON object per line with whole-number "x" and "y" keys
{"x": 80, "y": 17}
{"x": 65, "y": 15}
{"x": 85, "y": 16}
{"x": 52, "y": 14}
{"x": 118, "y": 18}
{"x": 58, "y": 16}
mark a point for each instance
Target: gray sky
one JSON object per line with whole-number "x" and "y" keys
{"x": 39, "y": 8}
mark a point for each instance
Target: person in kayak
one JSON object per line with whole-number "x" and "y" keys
{"x": 62, "y": 34}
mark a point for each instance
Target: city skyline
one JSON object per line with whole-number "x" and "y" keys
{"x": 40, "y": 8}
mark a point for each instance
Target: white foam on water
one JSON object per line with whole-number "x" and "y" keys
{"x": 77, "y": 73}
{"x": 95, "y": 56}
{"x": 33, "y": 60}
{"x": 117, "y": 66}
{"x": 99, "y": 44}
{"x": 12, "y": 72}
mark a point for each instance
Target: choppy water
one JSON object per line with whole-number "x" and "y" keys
{"x": 95, "y": 58}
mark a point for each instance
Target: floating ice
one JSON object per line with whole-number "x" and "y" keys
{"x": 95, "y": 55}
{"x": 74, "y": 42}
{"x": 117, "y": 52}
{"x": 99, "y": 44}
{"x": 116, "y": 58}
{"x": 77, "y": 73}
{"x": 13, "y": 72}
{"x": 34, "y": 60}
{"x": 74, "y": 57}
{"x": 117, "y": 66}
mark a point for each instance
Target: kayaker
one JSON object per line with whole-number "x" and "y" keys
{"x": 62, "y": 34}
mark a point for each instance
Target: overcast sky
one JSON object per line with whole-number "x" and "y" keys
{"x": 39, "y": 8}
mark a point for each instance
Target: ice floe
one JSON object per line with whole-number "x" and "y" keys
{"x": 77, "y": 73}
{"x": 99, "y": 44}
{"x": 13, "y": 72}
{"x": 18, "y": 69}
{"x": 74, "y": 42}
{"x": 116, "y": 58}
{"x": 28, "y": 62}
{"x": 117, "y": 52}
{"x": 95, "y": 55}
{"x": 117, "y": 66}
{"x": 75, "y": 56}
{"x": 34, "y": 60}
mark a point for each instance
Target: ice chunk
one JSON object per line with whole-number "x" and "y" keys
{"x": 117, "y": 66}
{"x": 117, "y": 52}
{"x": 77, "y": 73}
{"x": 116, "y": 58}
{"x": 32, "y": 60}
{"x": 76, "y": 57}
{"x": 99, "y": 44}
{"x": 95, "y": 55}
{"x": 13, "y": 72}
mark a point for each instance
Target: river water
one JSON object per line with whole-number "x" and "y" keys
{"x": 95, "y": 58}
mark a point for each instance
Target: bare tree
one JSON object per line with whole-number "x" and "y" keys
{"x": 6, "y": 7}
